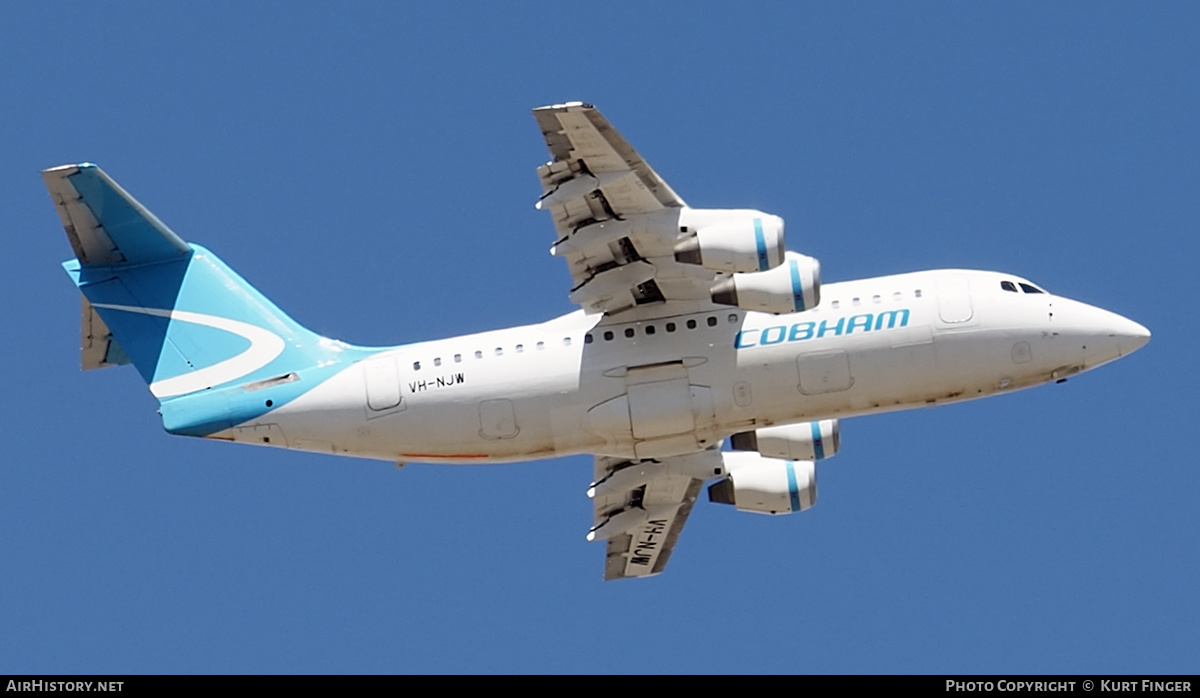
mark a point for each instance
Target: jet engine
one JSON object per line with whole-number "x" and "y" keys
{"x": 765, "y": 485}
{"x": 741, "y": 244}
{"x": 790, "y": 287}
{"x": 804, "y": 441}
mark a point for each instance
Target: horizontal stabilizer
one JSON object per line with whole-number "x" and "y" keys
{"x": 107, "y": 226}
{"x": 98, "y": 347}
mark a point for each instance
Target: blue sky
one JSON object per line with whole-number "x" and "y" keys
{"x": 371, "y": 169}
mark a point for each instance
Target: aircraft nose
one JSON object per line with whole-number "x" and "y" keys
{"x": 1113, "y": 336}
{"x": 1104, "y": 335}
{"x": 1129, "y": 335}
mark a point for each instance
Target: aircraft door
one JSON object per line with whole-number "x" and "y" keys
{"x": 954, "y": 299}
{"x": 382, "y": 378}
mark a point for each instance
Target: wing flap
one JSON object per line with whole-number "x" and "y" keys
{"x": 618, "y": 221}
{"x": 577, "y": 131}
{"x": 645, "y": 551}
{"x": 579, "y": 136}
{"x": 650, "y": 501}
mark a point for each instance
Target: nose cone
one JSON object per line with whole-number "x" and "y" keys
{"x": 1099, "y": 335}
{"x": 1129, "y": 335}
{"x": 1108, "y": 335}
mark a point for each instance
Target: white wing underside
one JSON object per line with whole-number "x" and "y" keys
{"x": 617, "y": 220}
{"x": 618, "y": 223}
{"x": 658, "y": 495}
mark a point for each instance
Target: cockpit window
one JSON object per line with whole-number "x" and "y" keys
{"x": 1030, "y": 288}
{"x": 1008, "y": 286}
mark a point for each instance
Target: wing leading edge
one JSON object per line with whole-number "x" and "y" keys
{"x": 617, "y": 220}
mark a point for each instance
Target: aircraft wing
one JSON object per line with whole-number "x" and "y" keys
{"x": 640, "y": 508}
{"x": 617, "y": 220}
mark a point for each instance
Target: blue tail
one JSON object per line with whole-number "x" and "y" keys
{"x": 202, "y": 338}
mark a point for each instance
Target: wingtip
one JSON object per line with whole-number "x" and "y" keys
{"x": 73, "y": 167}
{"x": 565, "y": 105}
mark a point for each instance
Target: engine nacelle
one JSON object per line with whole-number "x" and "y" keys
{"x": 790, "y": 287}
{"x": 752, "y": 243}
{"x": 805, "y": 441}
{"x": 766, "y": 485}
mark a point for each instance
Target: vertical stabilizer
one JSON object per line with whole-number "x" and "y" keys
{"x": 196, "y": 331}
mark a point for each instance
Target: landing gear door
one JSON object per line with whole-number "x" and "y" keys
{"x": 661, "y": 408}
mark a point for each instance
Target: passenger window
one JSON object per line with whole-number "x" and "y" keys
{"x": 520, "y": 348}
{"x": 566, "y": 341}
{"x": 437, "y": 361}
{"x": 875, "y": 299}
{"x": 478, "y": 354}
{"x": 691, "y": 324}
{"x": 587, "y": 338}
{"x": 416, "y": 365}
{"x": 458, "y": 358}
{"x": 650, "y": 329}
{"x": 1030, "y": 289}
{"x": 733, "y": 318}
{"x": 628, "y": 331}
{"x": 917, "y": 293}
{"x": 499, "y": 351}
{"x": 712, "y": 321}
{"x": 1008, "y": 286}
{"x": 856, "y": 301}
{"x": 608, "y": 336}
{"x": 835, "y": 304}
{"x": 897, "y": 296}
{"x": 541, "y": 345}
{"x": 670, "y": 327}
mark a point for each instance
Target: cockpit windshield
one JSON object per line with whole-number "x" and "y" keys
{"x": 1011, "y": 287}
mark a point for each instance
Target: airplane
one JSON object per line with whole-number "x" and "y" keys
{"x": 702, "y": 352}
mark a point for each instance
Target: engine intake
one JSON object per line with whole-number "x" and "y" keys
{"x": 791, "y": 287}
{"x": 804, "y": 441}
{"x": 766, "y": 485}
{"x": 752, "y": 243}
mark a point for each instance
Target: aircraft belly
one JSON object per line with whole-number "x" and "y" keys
{"x": 456, "y": 424}
{"x": 591, "y": 399}
{"x": 662, "y": 405}
{"x": 854, "y": 375}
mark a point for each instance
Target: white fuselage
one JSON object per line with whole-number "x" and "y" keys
{"x": 680, "y": 384}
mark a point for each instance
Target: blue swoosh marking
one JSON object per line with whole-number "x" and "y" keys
{"x": 797, "y": 288}
{"x": 760, "y": 241}
{"x": 793, "y": 487}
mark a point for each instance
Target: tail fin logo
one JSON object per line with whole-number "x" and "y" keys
{"x": 264, "y": 347}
